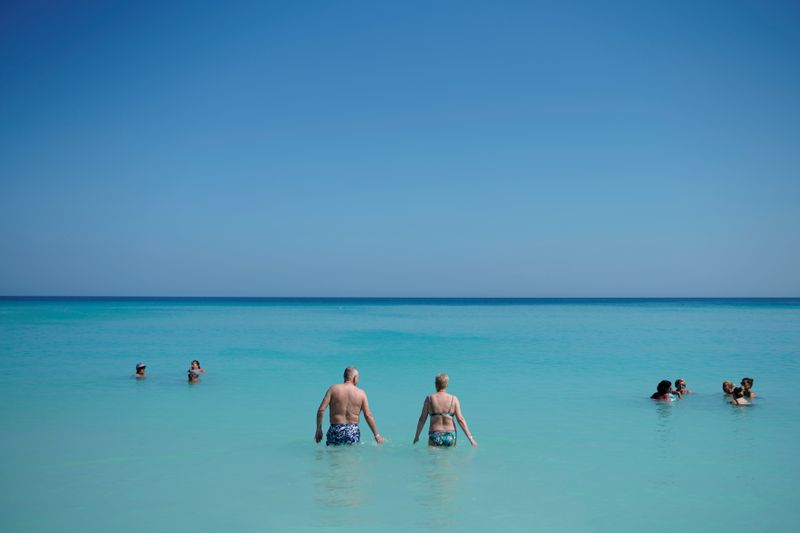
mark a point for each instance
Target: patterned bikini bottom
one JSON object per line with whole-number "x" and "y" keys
{"x": 442, "y": 438}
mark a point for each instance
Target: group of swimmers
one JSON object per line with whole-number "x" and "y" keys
{"x": 738, "y": 395}
{"x": 193, "y": 374}
{"x": 347, "y": 402}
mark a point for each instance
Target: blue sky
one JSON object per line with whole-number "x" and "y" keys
{"x": 639, "y": 148}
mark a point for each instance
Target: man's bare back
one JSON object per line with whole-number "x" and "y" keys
{"x": 346, "y": 402}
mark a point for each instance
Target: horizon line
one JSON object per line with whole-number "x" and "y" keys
{"x": 173, "y": 297}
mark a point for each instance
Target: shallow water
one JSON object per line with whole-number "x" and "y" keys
{"x": 555, "y": 392}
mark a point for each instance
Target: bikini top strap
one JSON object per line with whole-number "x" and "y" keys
{"x": 431, "y": 411}
{"x": 452, "y": 414}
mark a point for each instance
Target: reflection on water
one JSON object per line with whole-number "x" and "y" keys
{"x": 338, "y": 476}
{"x": 441, "y": 484}
{"x": 441, "y": 477}
{"x": 742, "y": 424}
{"x": 663, "y": 414}
{"x": 664, "y": 411}
{"x": 665, "y": 432}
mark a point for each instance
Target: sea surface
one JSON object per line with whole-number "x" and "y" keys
{"x": 556, "y": 393}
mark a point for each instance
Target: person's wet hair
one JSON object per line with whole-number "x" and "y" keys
{"x": 664, "y": 386}
{"x": 442, "y": 380}
{"x": 727, "y": 387}
{"x": 197, "y": 363}
{"x": 738, "y": 392}
{"x": 749, "y": 381}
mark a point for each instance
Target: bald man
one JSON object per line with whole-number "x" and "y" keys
{"x": 347, "y": 402}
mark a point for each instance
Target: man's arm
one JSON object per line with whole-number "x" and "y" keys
{"x": 371, "y": 420}
{"x": 422, "y": 418}
{"x": 321, "y": 413}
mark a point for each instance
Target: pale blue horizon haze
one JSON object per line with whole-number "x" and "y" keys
{"x": 400, "y": 149}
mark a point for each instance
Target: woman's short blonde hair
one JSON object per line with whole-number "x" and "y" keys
{"x": 441, "y": 381}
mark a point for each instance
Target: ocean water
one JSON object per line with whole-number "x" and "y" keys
{"x": 555, "y": 392}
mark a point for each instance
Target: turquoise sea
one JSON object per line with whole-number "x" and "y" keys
{"x": 555, "y": 392}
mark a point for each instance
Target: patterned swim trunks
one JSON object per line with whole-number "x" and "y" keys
{"x": 442, "y": 438}
{"x": 343, "y": 434}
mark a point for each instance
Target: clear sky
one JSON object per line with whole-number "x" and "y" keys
{"x": 435, "y": 148}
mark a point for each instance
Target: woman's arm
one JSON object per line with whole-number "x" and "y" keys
{"x": 422, "y": 418}
{"x": 463, "y": 423}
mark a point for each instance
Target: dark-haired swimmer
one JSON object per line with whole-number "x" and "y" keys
{"x": 195, "y": 366}
{"x": 444, "y": 410}
{"x": 738, "y": 397}
{"x": 347, "y": 402}
{"x": 193, "y": 377}
{"x": 664, "y": 392}
{"x": 727, "y": 387}
{"x": 140, "y": 371}
{"x": 747, "y": 388}
{"x": 680, "y": 387}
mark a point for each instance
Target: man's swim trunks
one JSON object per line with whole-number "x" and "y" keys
{"x": 343, "y": 434}
{"x": 442, "y": 438}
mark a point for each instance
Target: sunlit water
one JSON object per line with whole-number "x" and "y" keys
{"x": 556, "y": 393}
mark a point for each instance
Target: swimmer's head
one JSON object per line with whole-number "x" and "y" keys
{"x": 747, "y": 383}
{"x": 351, "y": 374}
{"x": 140, "y": 368}
{"x": 680, "y": 384}
{"x": 738, "y": 392}
{"x": 727, "y": 387}
{"x": 195, "y": 364}
{"x": 442, "y": 380}
{"x": 664, "y": 386}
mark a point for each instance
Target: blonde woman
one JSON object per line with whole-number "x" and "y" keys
{"x": 444, "y": 410}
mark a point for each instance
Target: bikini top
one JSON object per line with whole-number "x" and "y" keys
{"x": 450, "y": 412}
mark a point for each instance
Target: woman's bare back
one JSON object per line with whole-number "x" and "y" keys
{"x": 440, "y": 405}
